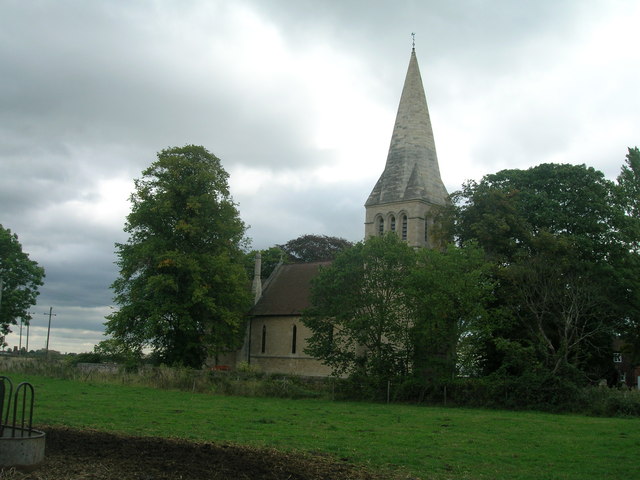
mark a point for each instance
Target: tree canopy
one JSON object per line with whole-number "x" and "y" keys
{"x": 182, "y": 289}
{"x": 628, "y": 192}
{"x": 314, "y": 248}
{"x": 507, "y": 210}
{"x": 383, "y": 310}
{"x": 20, "y": 279}
{"x": 540, "y": 280}
{"x": 449, "y": 291}
{"x": 359, "y": 317}
{"x": 554, "y": 233}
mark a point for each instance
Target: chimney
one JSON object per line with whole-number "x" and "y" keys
{"x": 256, "y": 286}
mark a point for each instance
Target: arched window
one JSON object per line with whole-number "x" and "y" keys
{"x": 264, "y": 339}
{"x": 404, "y": 226}
{"x": 294, "y": 335}
{"x": 380, "y": 226}
{"x": 392, "y": 223}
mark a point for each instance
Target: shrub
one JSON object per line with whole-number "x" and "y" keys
{"x": 605, "y": 401}
{"x": 89, "y": 357}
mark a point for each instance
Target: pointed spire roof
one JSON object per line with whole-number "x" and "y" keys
{"x": 411, "y": 171}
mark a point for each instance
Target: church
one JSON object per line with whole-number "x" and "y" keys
{"x": 403, "y": 200}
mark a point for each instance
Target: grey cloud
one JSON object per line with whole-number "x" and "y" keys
{"x": 92, "y": 90}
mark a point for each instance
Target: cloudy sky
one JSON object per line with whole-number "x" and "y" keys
{"x": 298, "y": 99}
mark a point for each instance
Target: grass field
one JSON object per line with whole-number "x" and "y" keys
{"x": 428, "y": 442}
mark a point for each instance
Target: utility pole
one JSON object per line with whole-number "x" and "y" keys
{"x": 46, "y": 349}
{"x": 28, "y": 322}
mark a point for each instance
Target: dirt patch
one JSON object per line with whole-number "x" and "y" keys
{"x": 92, "y": 455}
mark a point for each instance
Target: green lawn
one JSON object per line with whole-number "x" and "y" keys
{"x": 438, "y": 443}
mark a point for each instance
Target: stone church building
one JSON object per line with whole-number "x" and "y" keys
{"x": 403, "y": 201}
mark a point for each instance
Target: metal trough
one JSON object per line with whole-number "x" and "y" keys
{"x": 21, "y": 446}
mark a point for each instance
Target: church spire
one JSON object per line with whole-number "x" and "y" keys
{"x": 410, "y": 183}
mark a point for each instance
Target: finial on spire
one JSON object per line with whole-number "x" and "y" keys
{"x": 413, "y": 36}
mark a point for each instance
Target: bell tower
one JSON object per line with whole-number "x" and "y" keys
{"x": 410, "y": 190}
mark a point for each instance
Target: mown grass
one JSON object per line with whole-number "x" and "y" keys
{"x": 438, "y": 443}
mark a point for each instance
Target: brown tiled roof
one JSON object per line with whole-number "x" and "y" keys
{"x": 287, "y": 292}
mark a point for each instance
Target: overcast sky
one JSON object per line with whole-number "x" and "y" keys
{"x": 297, "y": 98}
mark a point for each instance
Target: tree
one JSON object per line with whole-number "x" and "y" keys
{"x": 359, "y": 316}
{"x": 628, "y": 196}
{"x": 558, "y": 300}
{"x": 505, "y": 211}
{"x": 314, "y": 248}
{"x": 271, "y": 257}
{"x": 629, "y": 183}
{"x": 554, "y": 234}
{"x": 448, "y": 291}
{"x": 384, "y": 311}
{"x": 113, "y": 350}
{"x": 20, "y": 278}
{"x": 182, "y": 289}
{"x": 628, "y": 190}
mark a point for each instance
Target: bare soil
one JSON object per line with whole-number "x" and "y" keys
{"x": 93, "y": 455}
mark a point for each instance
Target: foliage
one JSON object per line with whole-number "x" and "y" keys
{"x": 359, "y": 315}
{"x": 610, "y": 402}
{"x": 270, "y": 258}
{"x": 507, "y": 210}
{"x": 182, "y": 288}
{"x": 20, "y": 278}
{"x": 448, "y": 292}
{"x": 304, "y": 249}
{"x": 314, "y": 248}
{"x": 628, "y": 194}
{"x": 560, "y": 304}
{"x": 629, "y": 188}
{"x": 85, "y": 357}
{"x": 113, "y": 350}
{"x": 384, "y": 311}
{"x": 554, "y": 235}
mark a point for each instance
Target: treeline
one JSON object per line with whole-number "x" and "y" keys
{"x": 536, "y": 277}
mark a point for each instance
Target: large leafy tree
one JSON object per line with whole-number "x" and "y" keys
{"x": 554, "y": 233}
{"x": 562, "y": 305}
{"x": 628, "y": 190}
{"x": 359, "y": 318}
{"x": 314, "y": 248}
{"x": 386, "y": 311}
{"x": 182, "y": 289}
{"x": 304, "y": 249}
{"x": 448, "y": 291}
{"x": 20, "y": 278}
{"x": 507, "y": 210}
{"x": 629, "y": 184}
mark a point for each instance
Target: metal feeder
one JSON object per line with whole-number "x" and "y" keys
{"x": 21, "y": 446}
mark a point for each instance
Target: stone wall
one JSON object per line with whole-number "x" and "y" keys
{"x": 278, "y": 355}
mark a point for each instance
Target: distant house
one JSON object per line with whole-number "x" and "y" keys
{"x": 628, "y": 372}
